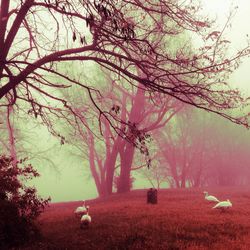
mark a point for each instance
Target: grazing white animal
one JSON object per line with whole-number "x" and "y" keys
{"x": 85, "y": 219}
{"x": 210, "y": 197}
{"x": 223, "y": 205}
{"x": 80, "y": 211}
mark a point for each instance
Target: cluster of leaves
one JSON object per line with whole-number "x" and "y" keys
{"x": 114, "y": 19}
{"x": 19, "y": 205}
{"x": 140, "y": 139}
{"x": 116, "y": 109}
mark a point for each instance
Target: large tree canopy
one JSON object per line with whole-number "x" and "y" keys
{"x": 133, "y": 39}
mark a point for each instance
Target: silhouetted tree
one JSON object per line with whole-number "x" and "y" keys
{"x": 113, "y": 154}
{"x": 227, "y": 161}
{"x": 121, "y": 36}
{"x": 198, "y": 150}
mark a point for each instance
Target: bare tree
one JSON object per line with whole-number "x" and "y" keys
{"x": 228, "y": 161}
{"x": 11, "y": 135}
{"x": 17, "y": 138}
{"x": 183, "y": 145}
{"x": 42, "y": 41}
{"x": 110, "y": 152}
{"x": 37, "y": 36}
{"x": 198, "y": 150}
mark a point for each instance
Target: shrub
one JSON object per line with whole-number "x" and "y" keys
{"x": 19, "y": 205}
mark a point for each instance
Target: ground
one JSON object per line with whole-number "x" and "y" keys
{"x": 182, "y": 219}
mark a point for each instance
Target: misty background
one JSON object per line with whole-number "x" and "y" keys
{"x": 65, "y": 172}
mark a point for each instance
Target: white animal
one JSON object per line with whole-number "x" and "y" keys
{"x": 210, "y": 197}
{"x": 80, "y": 211}
{"x": 85, "y": 219}
{"x": 223, "y": 205}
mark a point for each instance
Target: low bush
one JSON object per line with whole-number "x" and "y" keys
{"x": 19, "y": 205}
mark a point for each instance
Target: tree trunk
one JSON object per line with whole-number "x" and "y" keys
{"x": 101, "y": 188}
{"x": 197, "y": 180}
{"x": 175, "y": 175}
{"x": 12, "y": 145}
{"x": 110, "y": 166}
{"x": 128, "y": 149}
{"x": 124, "y": 183}
{"x": 183, "y": 176}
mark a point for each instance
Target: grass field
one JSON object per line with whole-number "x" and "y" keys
{"x": 182, "y": 219}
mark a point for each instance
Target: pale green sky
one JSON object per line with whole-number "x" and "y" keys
{"x": 73, "y": 183}
{"x": 237, "y": 34}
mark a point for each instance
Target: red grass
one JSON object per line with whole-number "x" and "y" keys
{"x": 182, "y": 219}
